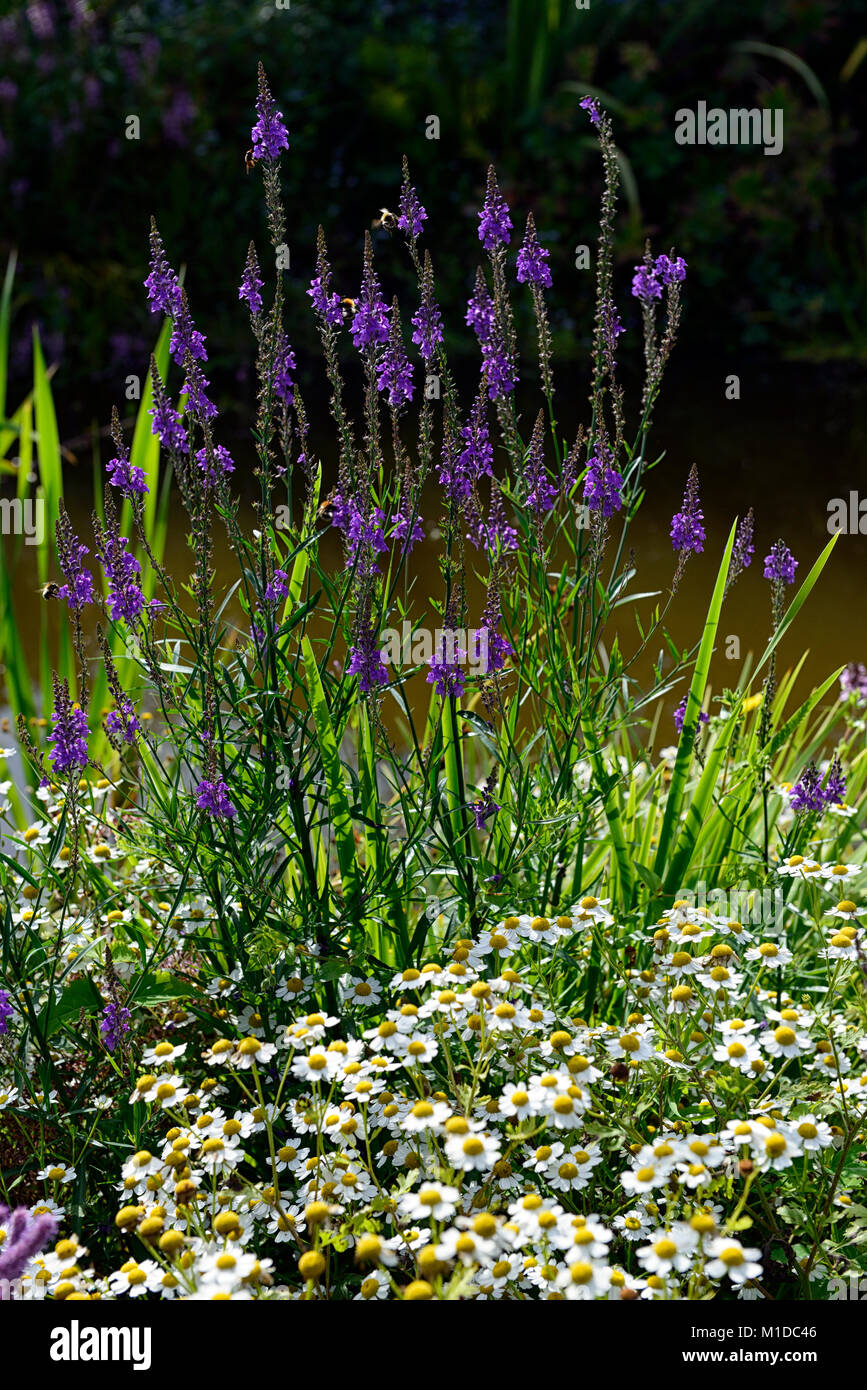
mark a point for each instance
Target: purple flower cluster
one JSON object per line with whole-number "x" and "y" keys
{"x": 325, "y": 302}
{"x": 78, "y": 588}
{"x": 125, "y": 598}
{"x": 680, "y": 715}
{"x": 284, "y": 366}
{"x": 251, "y": 283}
{"x": 483, "y": 809}
{"x": 495, "y": 224}
{"x": 127, "y": 477}
{"x": 603, "y": 485}
{"x": 365, "y": 661}
{"x": 269, "y": 135}
{"x": 541, "y": 492}
{"x": 400, "y": 530}
{"x": 6, "y": 1012}
{"x": 812, "y": 793}
{"x": 411, "y": 216}
{"x": 427, "y": 321}
{"x": 113, "y": 1024}
{"x": 481, "y": 315}
{"x": 213, "y": 798}
{"x": 446, "y": 673}
{"x": 591, "y": 106}
{"x": 214, "y": 463}
{"x": 123, "y": 722}
{"x": 277, "y": 587}
{"x": 498, "y": 648}
{"x": 687, "y": 529}
{"x": 459, "y": 471}
{"x": 25, "y": 1236}
{"x": 780, "y": 564}
{"x": 533, "y": 259}
{"x": 164, "y": 292}
{"x": 69, "y": 734}
{"x": 394, "y": 370}
{"x": 360, "y": 530}
{"x": 648, "y": 281}
{"x": 370, "y": 323}
{"x": 496, "y": 534}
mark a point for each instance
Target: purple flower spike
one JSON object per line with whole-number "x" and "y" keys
{"x": 114, "y": 1023}
{"x": 687, "y": 530}
{"x": 495, "y": 224}
{"x": 412, "y": 215}
{"x": 69, "y": 734}
{"x": 532, "y": 259}
{"x": 269, "y": 135}
{"x": 446, "y": 674}
{"x": 213, "y": 798}
{"x": 603, "y": 485}
{"x": 251, "y": 283}
{"x": 780, "y": 564}
{"x": 680, "y": 715}
{"x": 365, "y": 661}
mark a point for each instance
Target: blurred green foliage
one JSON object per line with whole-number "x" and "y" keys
{"x": 356, "y": 80}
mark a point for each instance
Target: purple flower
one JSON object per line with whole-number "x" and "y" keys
{"x": 284, "y": 366}
{"x": 400, "y": 530}
{"x": 194, "y": 389}
{"x": 213, "y": 798}
{"x": 370, "y": 325}
{"x": 495, "y": 535}
{"x": 269, "y": 135}
{"x": 128, "y": 478}
{"x": 69, "y": 734}
{"x": 251, "y": 283}
{"x": 121, "y": 569}
{"x": 365, "y": 661}
{"x": 541, "y": 492}
{"x": 853, "y": 681}
{"x": 495, "y": 224}
{"x": 25, "y": 1236}
{"x": 6, "y": 1012}
{"x": 810, "y": 793}
{"x": 532, "y": 259}
{"x": 603, "y": 485}
{"x": 412, "y": 215}
{"x": 489, "y": 642}
{"x": 460, "y": 471}
{"x": 123, "y": 722}
{"x": 687, "y": 531}
{"x": 743, "y": 549}
{"x": 277, "y": 587}
{"x": 114, "y": 1023}
{"x": 446, "y": 674}
{"x": 215, "y": 463}
{"x": 483, "y": 809}
{"x": 394, "y": 371}
{"x": 780, "y": 564}
{"x": 78, "y": 589}
{"x": 166, "y": 422}
{"x": 680, "y": 715}
{"x": 481, "y": 315}
{"x": 498, "y": 366}
{"x": 186, "y": 338}
{"x": 591, "y": 106}
{"x": 359, "y": 531}
{"x": 326, "y": 303}
{"x": 164, "y": 292}
{"x": 427, "y": 321}
{"x": 649, "y": 280}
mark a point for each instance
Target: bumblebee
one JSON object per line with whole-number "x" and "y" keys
{"x": 325, "y": 510}
{"x": 349, "y": 307}
{"x": 386, "y": 220}
{"x": 250, "y": 161}
{"x": 50, "y": 591}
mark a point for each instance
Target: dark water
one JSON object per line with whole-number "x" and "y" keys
{"x": 795, "y": 440}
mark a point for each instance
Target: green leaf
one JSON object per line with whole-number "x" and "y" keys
{"x": 81, "y": 994}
